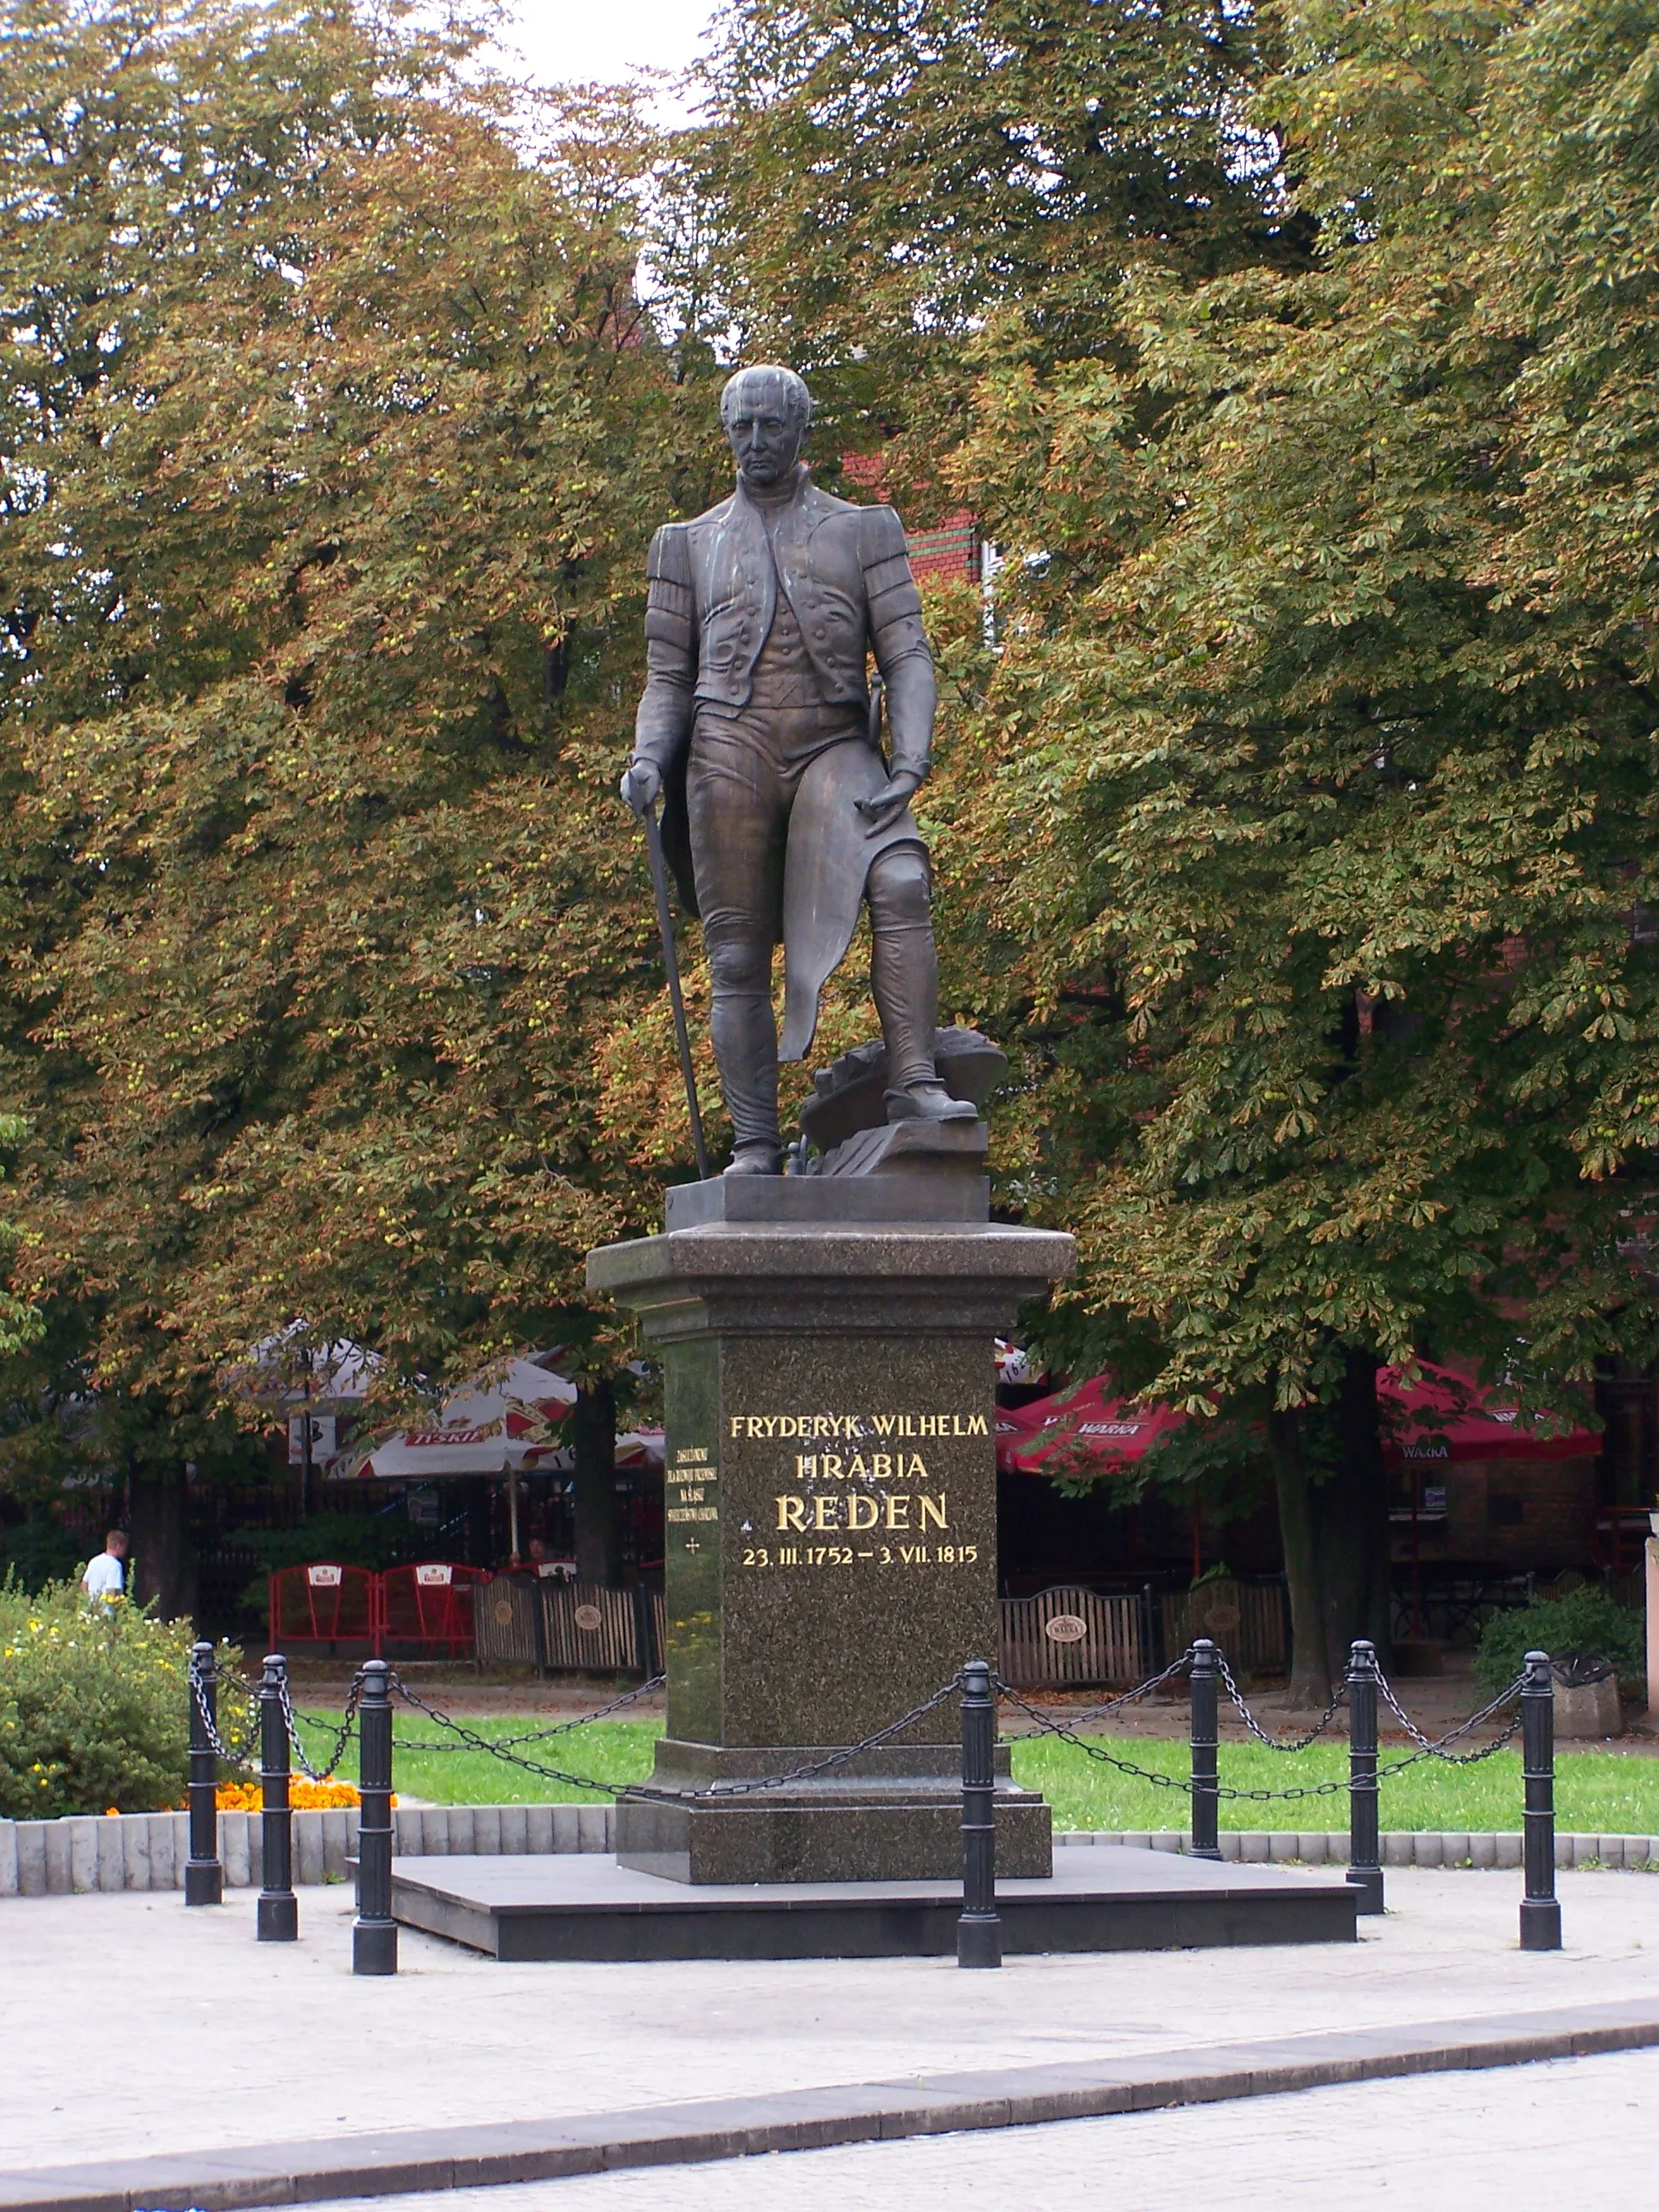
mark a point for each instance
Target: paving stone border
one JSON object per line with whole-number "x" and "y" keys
{"x": 429, "y": 2159}
{"x": 147, "y": 1850}
{"x": 1399, "y": 1847}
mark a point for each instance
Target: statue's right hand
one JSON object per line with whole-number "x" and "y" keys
{"x": 641, "y": 785}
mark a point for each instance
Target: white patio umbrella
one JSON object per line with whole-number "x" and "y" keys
{"x": 499, "y": 1423}
{"x": 504, "y": 1423}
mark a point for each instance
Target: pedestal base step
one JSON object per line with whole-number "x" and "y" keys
{"x": 590, "y": 1908}
{"x": 775, "y": 1838}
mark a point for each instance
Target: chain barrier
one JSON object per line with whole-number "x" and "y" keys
{"x": 470, "y": 1740}
{"x": 506, "y": 1748}
{"x": 217, "y": 1743}
{"x": 342, "y": 1737}
{"x": 1180, "y": 1666}
{"x": 1183, "y": 1784}
{"x": 1436, "y": 1749}
{"x": 1274, "y": 1742}
{"x": 1422, "y": 1742}
{"x": 541, "y": 1735}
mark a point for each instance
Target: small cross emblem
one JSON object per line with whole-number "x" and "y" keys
{"x": 692, "y": 1545}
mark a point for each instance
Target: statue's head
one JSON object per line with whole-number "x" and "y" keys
{"x": 766, "y": 413}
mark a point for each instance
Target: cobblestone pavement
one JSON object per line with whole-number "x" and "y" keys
{"x": 135, "y": 2027}
{"x": 1576, "y": 2133}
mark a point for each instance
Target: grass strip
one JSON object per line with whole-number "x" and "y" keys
{"x": 1597, "y": 1793}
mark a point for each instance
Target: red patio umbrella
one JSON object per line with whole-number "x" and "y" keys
{"x": 1088, "y": 1414}
{"x": 1443, "y": 1417}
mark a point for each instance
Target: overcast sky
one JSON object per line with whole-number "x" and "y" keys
{"x": 580, "y": 40}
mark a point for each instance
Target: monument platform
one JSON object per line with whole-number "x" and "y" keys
{"x": 829, "y": 1530}
{"x": 586, "y": 1907}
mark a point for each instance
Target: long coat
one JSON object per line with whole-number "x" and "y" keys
{"x": 713, "y": 592}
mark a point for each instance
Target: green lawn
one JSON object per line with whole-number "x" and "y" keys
{"x": 1597, "y": 1793}
{"x": 609, "y": 1750}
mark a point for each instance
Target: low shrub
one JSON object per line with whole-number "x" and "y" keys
{"x": 1585, "y": 1620}
{"x": 93, "y": 1711}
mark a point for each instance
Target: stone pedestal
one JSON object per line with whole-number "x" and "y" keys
{"x": 831, "y": 1534}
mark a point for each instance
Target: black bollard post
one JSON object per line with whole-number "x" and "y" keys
{"x": 1540, "y": 1910}
{"x": 1364, "y": 1842}
{"x": 277, "y": 1918}
{"x": 374, "y": 1937}
{"x": 1206, "y": 1741}
{"x": 979, "y": 1930}
{"x": 204, "y": 1878}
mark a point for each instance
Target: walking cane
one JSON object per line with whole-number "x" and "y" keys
{"x": 670, "y": 961}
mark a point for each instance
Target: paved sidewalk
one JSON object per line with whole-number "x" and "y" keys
{"x": 1577, "y": 2132}
{"x": 136, "y": 2027}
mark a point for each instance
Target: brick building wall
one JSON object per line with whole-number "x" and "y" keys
{"x": 1537, "y": 1515}
{"x": 950, "y": 548}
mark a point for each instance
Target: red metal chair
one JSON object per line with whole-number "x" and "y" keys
{"x": 323, "y": 1604}
{"x": 427, "y": 1610}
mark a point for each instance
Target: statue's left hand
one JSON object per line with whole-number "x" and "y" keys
{"x": 883, "y": 808}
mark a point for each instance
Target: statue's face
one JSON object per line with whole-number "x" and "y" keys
{"x": 764, "y": 431}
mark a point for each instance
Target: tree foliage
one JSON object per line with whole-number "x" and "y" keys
{"x": 1345, "y": 766}
{"x": 1299, "y": 834}
{"x": 879, "y": 181}
{"x": 333, "y": 433}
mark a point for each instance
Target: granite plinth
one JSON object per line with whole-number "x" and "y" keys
{"x": 889, "y": 1815}
{"x": 830, "y": 1527}
{"x": 890, "y": 1199}
{"x": 594, "y": 1908}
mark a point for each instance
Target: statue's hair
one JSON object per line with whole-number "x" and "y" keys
{"x": 800, "y": 399}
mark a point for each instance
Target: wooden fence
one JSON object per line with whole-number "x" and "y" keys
{"x": 591, "y": 1629}
{"x": 1247, "y": 1620}
{"x": 524, "y": 1620}
{"x": 1073, "y": 1635}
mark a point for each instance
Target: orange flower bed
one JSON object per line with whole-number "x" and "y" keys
{"x": 303, "y": 1797}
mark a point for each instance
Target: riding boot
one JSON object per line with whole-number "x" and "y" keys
{"x": 904, "y": 983}
{"x": 745, "y": 1038}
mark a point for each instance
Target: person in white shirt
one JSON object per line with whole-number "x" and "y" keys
{"x": 106, "y": 1576}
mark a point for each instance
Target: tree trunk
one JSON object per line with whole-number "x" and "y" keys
{"x": 164, "y": 1566}
{"x": 1351, "y": 1515}
{"x": 1310, "y": 1681}
{"x": 598, "y": 1545}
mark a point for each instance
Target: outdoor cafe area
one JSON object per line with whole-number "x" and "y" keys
{"x": 486, "y": 1493}
{"x": 1486, "y": 1511}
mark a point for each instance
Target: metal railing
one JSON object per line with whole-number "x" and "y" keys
{"x": 369, "y": 1713}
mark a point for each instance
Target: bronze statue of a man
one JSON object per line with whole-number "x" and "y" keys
{"x": 756, "y": 727}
